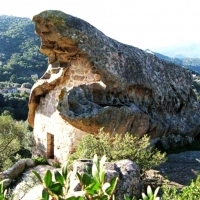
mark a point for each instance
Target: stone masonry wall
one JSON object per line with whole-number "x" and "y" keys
{"x": 48, "y": 120}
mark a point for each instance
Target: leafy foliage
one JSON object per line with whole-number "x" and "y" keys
{"x": 149, "y": 196}
{"x": 19, "y": 60}
{"x": 119, "y": 147}
{"x": 14, "y": 135}
{"x": 3, "y": 191}
{"x": 191, "y": 192}
{"x": 92, "y": 184}
{"x": 19, "y": 53}
{"x": 15, "y": 105}
{"x": 40, "y": 161}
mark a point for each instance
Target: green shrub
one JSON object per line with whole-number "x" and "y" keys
{"x": 119, "y": 147}
{"x": 151, "y": 195}
{"x": 14, "y": 136}
{"x": 2, "y": 191}
{"x": 39, "y": 161}
{"x": 92, "y": 182}
{"x": 191, "y": 192}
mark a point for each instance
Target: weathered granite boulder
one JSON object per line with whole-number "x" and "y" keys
{"x": 129, "y": 181}
{"x": 127, "y": 171}
{"x": 16, "y": 170}
{"x": 93, "y": 81}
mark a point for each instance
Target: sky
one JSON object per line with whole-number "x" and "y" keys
{"x": 147, "y": 24}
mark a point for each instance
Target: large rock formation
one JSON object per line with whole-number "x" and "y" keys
{"x": 95, "y": 81}
{"x": 128, "y": 174}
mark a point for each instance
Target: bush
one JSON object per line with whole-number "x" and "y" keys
{"x": 191, "y": 192}
{"x": 119, "y": 147}
{"x": 14, "y": 135}
{"x": 92, "y": 183}
{"x": 40, "y": 161}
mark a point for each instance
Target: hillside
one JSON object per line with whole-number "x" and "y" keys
{"x": 190, "y": 50}
{"x": 20, "y": 58}
{"x": 190, "y": 63}
{"x": 19, "y": 54}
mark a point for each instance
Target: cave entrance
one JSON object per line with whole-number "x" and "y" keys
{"x": 50, "y": 146}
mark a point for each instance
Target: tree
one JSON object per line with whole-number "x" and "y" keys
{"x": 13, "y": 137}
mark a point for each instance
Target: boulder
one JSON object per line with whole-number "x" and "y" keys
{"x": 28, "y": 187}
{"x": 128, "y": 183}
{"x": 93, "y": 81}
{"x": 130, "y": 90}
{"x": 128, "y": 174}
{"x": 12, "y": 173}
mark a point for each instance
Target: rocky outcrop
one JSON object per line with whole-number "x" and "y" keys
{"x": 179, "y": 170}
{"x": 14, "y": 171}
{"x": 128, "y": 174}
{"x": 104, "y": 83}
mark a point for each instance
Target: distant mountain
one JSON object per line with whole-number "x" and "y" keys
{"x": 181, "y": 51}
{"x": 20, "y": 57}
{"x": 189, "y": 63}
{"x": 19, "y": 50}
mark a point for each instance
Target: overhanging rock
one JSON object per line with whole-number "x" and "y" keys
{"x": 100, "y": 82}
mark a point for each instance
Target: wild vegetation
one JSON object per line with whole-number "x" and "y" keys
{"x": 93, "y": 186}
{"x": 19, "y": 53}
{"x": 119, "y": 148}
{"x": 192, "y": 64}
{"x": 19, "y": 60}
{"x": 15, "y": 141}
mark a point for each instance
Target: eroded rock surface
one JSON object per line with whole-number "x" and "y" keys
{"x": 96, "y": 82}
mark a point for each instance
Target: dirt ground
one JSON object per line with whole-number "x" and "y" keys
{"x": 179, "y": 169}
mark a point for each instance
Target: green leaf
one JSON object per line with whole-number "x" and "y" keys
{"x": 102, "y": 169}
{"x": 56, "y": 188}
{"x": 95, "y": 171}
{"x": 113, "y": 184}
{"x": 87, "y": 179}
{"x": 149, "y": 191}
{"x": 93, "y": 188}
{"x": 37, "y": 175}
{"x": 65, "y": 170}
{"x": 144, "y": 196}
{"x": 105, "y": 187}
{"x": 75, "y": 198}
{"x": 101, "y": 197}
{"x": 48, "y": 178}
{"x": 156, "y": 192}
{"x": 58, "y": 177}
{"x": 126, "y": 197}
{"x": 79, "y": 177}
{"x": 1, "y": 188}
{"x": 102, "y": 176}
{"x": 1, "y": 197}
{"x": 95, "y": 159}
{"x": 45, "y": 195}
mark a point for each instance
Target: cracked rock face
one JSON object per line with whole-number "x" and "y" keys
{"x": 100, "y": 82}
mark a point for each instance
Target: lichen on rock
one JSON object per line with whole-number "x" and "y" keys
{"x": 100, "y": 82}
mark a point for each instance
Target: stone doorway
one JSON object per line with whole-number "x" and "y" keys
{"x": 50, "y": 146}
